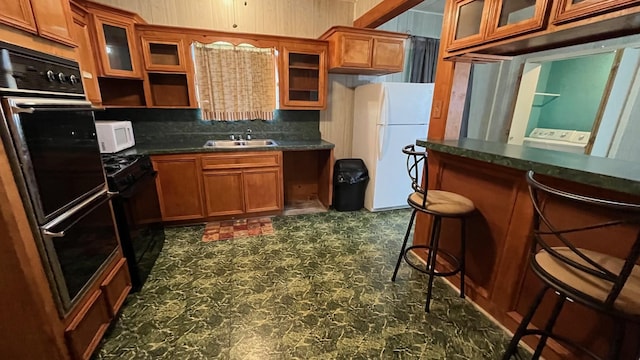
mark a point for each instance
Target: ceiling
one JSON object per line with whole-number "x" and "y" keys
{"x": 432, "y": 6}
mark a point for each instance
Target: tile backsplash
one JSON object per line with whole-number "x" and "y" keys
{"x": 157, "y": 125}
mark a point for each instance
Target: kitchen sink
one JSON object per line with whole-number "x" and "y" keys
{"x": 239, "y": 143}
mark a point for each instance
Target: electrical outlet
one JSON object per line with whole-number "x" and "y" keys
{"x": 436, "y": 113}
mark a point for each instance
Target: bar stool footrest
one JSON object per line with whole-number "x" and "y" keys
{"x": 562, "y": 339}
{"x": 423, "y": 269}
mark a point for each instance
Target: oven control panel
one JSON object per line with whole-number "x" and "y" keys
{"x": 27, "y": 70}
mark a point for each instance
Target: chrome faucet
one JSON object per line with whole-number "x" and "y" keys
{"x": 239, "y": 136}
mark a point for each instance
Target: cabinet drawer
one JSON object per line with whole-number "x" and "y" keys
{"x": 241, "y": 160}
{"x": 87, "y": 328}
{"x": 116, "y": 286}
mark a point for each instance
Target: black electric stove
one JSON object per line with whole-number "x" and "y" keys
{"x": 137, "y": 212}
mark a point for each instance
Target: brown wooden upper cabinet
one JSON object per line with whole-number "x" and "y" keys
{"x": 364, "y": 51}
{"x": 571, "y": 10}
{"x": 515, "y": 17}
{"x": 51, "y": 19}
{"x": 163, "y": 53}
{"x": 18, "y": 13}
{"x": 480, "y": 21}
{"x": 303, "y": 75}
{"x": 469, "y": 23}
{"x": 82, "y": 36}
{"x": 116, "y": 49}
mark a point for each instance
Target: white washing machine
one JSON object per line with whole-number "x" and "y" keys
{"x": 556, "y": 139}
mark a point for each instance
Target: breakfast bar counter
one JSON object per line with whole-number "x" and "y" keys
{"x": 499, "y": 278}
{"x": 617, "y": 175}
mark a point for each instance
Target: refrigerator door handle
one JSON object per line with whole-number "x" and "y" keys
{"x": 383, "y": 112}
{"x": 381, "y": 140}
{"x": 384, "y": 118}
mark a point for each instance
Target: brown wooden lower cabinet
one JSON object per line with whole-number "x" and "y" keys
{"x": 308, "y": 176}
{"x": 179, "y": 186}
{"x": 116, "y": 286}
{"x": 104, "y": 299}
{"x": 87, "y": 328}
{"x": 263, "y": 190}
{"x": 223, "y": 192}
{"x": 499, "y": 278}
{"x": 220, "y": 184}
{"x": 200, "y": 186}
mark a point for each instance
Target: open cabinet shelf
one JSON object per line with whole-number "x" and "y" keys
{"x": 122, "y": 92}
{"x": 304, "y": 67}
{"x": 168, "y": 90}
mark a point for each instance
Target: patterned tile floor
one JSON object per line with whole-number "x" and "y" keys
{"x": 319, "y": 288}
{"x": 230, "y": 229}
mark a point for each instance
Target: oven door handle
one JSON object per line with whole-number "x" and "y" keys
{"x": 47, "y": 229}
{"x": 31, "y": 110}
{"x": 58, "y": 234}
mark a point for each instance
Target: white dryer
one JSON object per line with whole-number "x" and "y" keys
{"x": 557, "y": 139}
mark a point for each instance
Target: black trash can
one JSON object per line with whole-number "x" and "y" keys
{"x": 350, "y": 178}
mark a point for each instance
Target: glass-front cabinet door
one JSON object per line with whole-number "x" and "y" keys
{"x": 303, "y": 76}
{"x": 163, "y": 53}
{"x": 515, "y": 17}
{"x": 117, "y": 54}
{"x": 572, "y": 10}
{"x": 470, "y": 25}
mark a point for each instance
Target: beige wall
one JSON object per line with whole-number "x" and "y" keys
{"x": 362, "y": 6}
{"x": 336, "y": 122}
{"x": 302, "y": 18}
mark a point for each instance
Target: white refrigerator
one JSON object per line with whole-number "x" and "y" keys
{"x": 388, "y": 116}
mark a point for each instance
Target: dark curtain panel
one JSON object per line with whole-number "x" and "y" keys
{"x": 424, "y": 59}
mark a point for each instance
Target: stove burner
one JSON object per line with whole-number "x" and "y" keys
{"x": 124, "y": 170}
{"x": 111, "y": 168}
{"x": 114, "y": 163}
{"x": 110, "y": 159}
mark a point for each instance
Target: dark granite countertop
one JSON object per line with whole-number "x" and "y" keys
{"x": 618, "y": 175}
{"x": 185, "y": 146}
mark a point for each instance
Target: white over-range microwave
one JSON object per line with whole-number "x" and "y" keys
{"x": 114, "y": 136}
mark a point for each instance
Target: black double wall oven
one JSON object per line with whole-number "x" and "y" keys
{"x": 49, "y": 132}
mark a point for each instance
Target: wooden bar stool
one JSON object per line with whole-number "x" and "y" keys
{"x": 439, "y": 204}
{"x": 601, "y": 282}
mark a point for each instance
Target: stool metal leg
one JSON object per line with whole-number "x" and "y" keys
{"x": 512, "y": 349}
{"x": 618, "y": 337}
{"x": 463, "y": 251}
{"x": 404, "y": 244}
{"x": 431, "y": 263}
{"x": 549, "y": 327}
